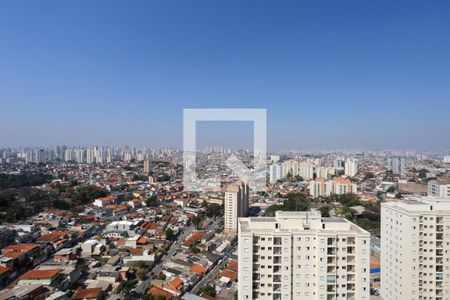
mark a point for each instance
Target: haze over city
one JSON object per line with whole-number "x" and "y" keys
{"x": 353, "y": 74}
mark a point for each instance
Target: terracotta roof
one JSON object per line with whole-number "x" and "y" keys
{"x": 137, "y": 251}
{"x": 194, "y": 237}
{"x": 149, "y": 225}
{"x": 40, "y": 274}
{"x": 229, "y": 274}
{"x": 4, "y": 270}
{"x": 20, "y": 248}
{"x": 156, "y": 291}
{"x": 107, "y": 198}
{"x": 52, "y": 237}
{"x": 142, "y": 240}
{"x": 177, "y": 283}
{"x": 14, "y": 254}
{"x": 87, "y": 293}
{"x": 198, "y": 269}
{"x": 232, "y": 265}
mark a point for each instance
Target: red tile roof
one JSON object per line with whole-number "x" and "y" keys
{"x": 4, "y": 270}
{"x": 87, "y": 293}
{"x": 198, "y": 269}
{"x": 20, "y": 248}
{"x": 40, "y": 274}
{"x": 229, "y": 274}
{"x": 156, "y": 291}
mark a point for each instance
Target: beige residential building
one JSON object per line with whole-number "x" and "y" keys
{"x": 338, "y": 186}
{"x": 300, "y": 255}
{"x": 415, "y": 249}
{"x": 236, "y": 205}
{"x": 147, "y": 168}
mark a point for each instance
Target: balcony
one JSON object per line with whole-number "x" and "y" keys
{"x": 331, "y": 288}
{"x": 350, "y": 241}
{"x": 277, "y": 241}
{"x": 331, "y": 251}
{"x": 331, "y": 241}
{"x": 277, "y": 250}
{"x": 439, "y": 236}
{"x": 351, "y": 287}
{"x": 276, "y": 278}
{"x": 350, "y": 250}
{"x": 439, "y": 252}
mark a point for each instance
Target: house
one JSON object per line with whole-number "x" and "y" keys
{"x": 88, "y": 294}
{"x": 104, "y": 201}
{"x": 44, "y": 277}
{"x": 193, "y": 239}
{"x": 66, "y": 255}
{"x": 198, "y": 269}
{"x": 92, "y": 247}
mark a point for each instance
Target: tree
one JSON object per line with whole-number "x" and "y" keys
{"x": 213, "y": 210}
{"x": 369, "y": 175}
{"x": 208, "y": 290}
{"x": 169, "y": 234}
{"x": 161, "y": 276}
{"x": 126, "y": 286}
{"x": 324, "y": 211}
{"x": 196, "y": 221}
{"x": 140, "y": 269}
{"x": 298, "y": 178}
{"x": 423, "y": 173}
{"x": 152, "y": 201}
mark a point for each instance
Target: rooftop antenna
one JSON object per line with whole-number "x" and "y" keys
{"x": 306, "y": 222}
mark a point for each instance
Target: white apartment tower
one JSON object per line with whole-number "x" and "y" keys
{"x": 397, "y": 165}
{"x": 275, "y": 173}
{"x": 415, "y": 249}
{"x": 351, "y": 167}
{"x": 439, "y": 188}
{"x": 300, "y": 255}
{"x": 236, "y": 205}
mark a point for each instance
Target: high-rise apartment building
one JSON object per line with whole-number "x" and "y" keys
{"x": 275, "y": 173}
{"x": 29, "y": 157}
{"x": 397, "y": 165}
{"x": 415, "y": 251}
{"x": 236, "y": 205}
{"x": 300, "y": 255}
{"x": 147, "y": 168}
{"x": 351, "y": 167}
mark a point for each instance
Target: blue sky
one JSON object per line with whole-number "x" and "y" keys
{"x": 331, "y": 74}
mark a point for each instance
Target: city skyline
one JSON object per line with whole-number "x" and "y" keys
{"x": 354, "y": 75}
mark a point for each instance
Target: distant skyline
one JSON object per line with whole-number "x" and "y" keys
{"x": 331, "y": 74}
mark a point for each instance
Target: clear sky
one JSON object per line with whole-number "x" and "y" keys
{"x": 331, "y": 74}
